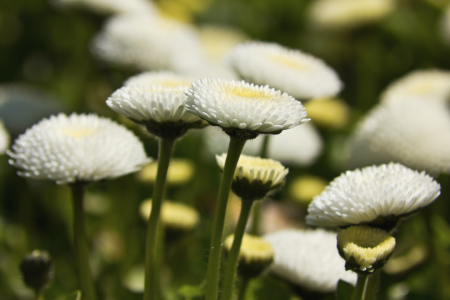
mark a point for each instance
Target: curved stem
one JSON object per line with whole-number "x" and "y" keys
{"x": 360, "y": 290}
{"x": 233, "y": 258}
{"x": 212, "y": 274}
{"x": 372, "y": 283}
{"x": 151, "y": 288}
{"x": 256, "y": 216}
{"x": 81, "y": 249}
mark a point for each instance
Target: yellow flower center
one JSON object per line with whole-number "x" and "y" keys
{"x": 249, "y": 93}
{"x": 287, "y": 61}
{"x": 78, "y": 133}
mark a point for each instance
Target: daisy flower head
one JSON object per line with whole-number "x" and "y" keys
{"x": 292, "y": 71}
{"x": 255, "y": 177}
{"x": 77, "y": 148}
{"x": 364, "y": 248}
{"x": 377, "y": 196}
{"x": 348, "y": 14}
{"x": 243, "y": 110}
{"x": 308, "y": 258}
{"x": 161, "y": 78}
{"x": 423, "y": 84}
{"x": 160, "y": 109}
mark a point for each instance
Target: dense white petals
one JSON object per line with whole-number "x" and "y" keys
{"x": 110, "y": 6}
{"x": 240, "y": 105}
{"x": 162, "y": 78}
{"x": 415, "y": 133}
{"x": 299, "y": 146}
{"x": 292, "y": 71}
{"x": 146, "y": 42}
{"x": 74, "y": 148}
{"x": 361, "y": 196}
{"x": 309, "y": 258}
{"x": 423, "y": 84}
{"x": 256, "y": 169}
{"x": 345, "y": 14}
{"x": 154, "y": 103}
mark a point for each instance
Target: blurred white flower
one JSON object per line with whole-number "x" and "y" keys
{"x": 309, "y": 258}
{"x": 346, "y": 14}
{"x": 74, "y": 148}
{"x": 298, "y": 146}
{"x": 146, "y": 42}
{"x": 4, "y": 138}
{"x": 160, "y": 109}
{"x": 110, "y": 6}
{"x": 292, "y": 71}
{"x": 422, "y": 84}
{"x": 161, "y": 78}
{"x": 371, "y": 195}
{"x": 243, "y": 106}
{"x": 415, "y": 133}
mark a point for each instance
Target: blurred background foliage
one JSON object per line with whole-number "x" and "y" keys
{"x": 46, "y": 66}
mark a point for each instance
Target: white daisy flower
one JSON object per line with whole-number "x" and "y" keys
{"x": 298, "y": 146}
{"x": 292, "y": 71}
{"x": 242, "y": 107}
{"x": 255, "y": 177}
{"x": 161, "y": 78}
{"x": 309, "y": 258}
{"x": 4, "y": 138}
{"x": 77, "y": 148}
{"x": 415, "y": 133}
{"x": 376, "y": 195}
{"x": 160, "y": 109}
{"x": 110, "y": 6}
{"x": 146, "y": 42}
{"x": 346, "y": 14}
{"x": 422, "y": 84}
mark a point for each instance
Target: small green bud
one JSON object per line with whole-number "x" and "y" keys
{"x": 37, "y": 270}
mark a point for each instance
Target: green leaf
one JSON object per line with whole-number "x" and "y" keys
{"x": 191, "y": 291}
{"x": 344, "y": 290}
{"x": 74, "y": 296}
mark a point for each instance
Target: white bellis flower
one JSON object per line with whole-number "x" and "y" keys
{"x": 376, "y": 196}
{"x": 160, "y": 109}
{"x": 292, "y": 71}
{"x": 162, "y": 78}
{"x": 77, "y": 148}
{"x": 423, "y": 84}
{"x": 237, "y": 106}
{"x": 309, "y": 258}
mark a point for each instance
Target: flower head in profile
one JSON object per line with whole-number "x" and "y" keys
{"x": 160, "y": 109}
{"x": 348, "y": 14}
{"x": 377, "y": 196}
{"x": 292, "y": 71}
{"x": 77, "y": 148}
{"x": 243, "y": 110}
{"x": 415, "y": 133}
{"x": 308, "y": 258}
{"x": 364, "y": 248}
{"x": 423, "y": 85}
{"x": 255, "y": 177}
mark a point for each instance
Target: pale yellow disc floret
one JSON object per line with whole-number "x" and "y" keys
{"x": 365, "y": 245}
{"x": 253, "y": 249}
{"x": 173, "y": 215}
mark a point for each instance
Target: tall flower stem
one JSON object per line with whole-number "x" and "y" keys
{"x": 372, "y": 283}
{"x": 243, "y": 289}
{"x": 81, "y": 249}
{"x": 212, "y": 274}
{"x": 361, "y": 286}
{"x": 151, "y": 287}
{"x": 232, "y": 263}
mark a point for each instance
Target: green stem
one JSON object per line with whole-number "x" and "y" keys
{"x": 360, "y": 290}
{"x": 212, "y": 274}
{"x": 39, "y": 295}
{"x": 151, "y": 287}
{"x": 243, "y": 289}
{"x": 372, "y": 283}
{"x": 233, "y": 258}
{"x": 256, "y": 216}
{"x": 265, "y": 147}
{"x": 81, "y": 249}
